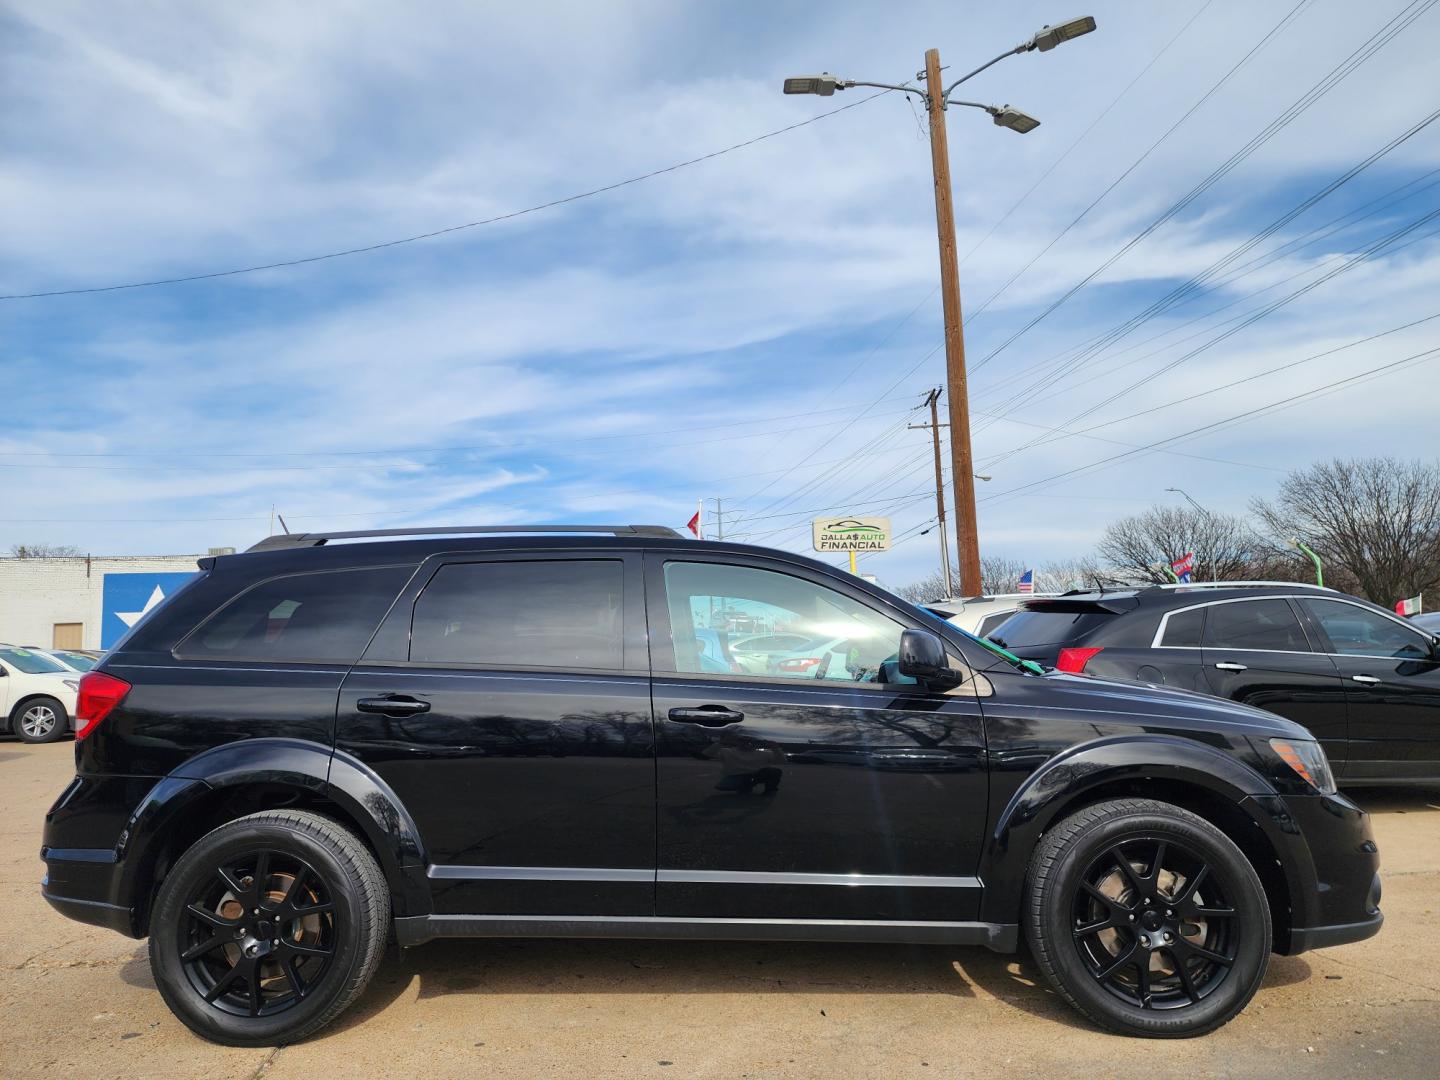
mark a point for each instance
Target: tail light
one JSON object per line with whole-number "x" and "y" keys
{"x": 1074, "y": 660}
{"x": 799, "y": 663}
{"x": 99, "y": 694}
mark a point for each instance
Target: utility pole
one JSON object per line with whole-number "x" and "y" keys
{"x": 937, "y": 99}
{"x": 962, "y": 469}
{"x": 931, "y": 399}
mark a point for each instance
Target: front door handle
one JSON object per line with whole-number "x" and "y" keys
{"x": 1228, "y": 665}
{"x": 707, "y": 716}
{"x": 397, "y": 705}
{"x": 1368, "y": 680}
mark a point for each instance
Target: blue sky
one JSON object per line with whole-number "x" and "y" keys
{"x": 736, "y": 329}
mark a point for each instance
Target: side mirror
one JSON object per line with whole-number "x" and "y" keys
{"x": 922, "y": 657}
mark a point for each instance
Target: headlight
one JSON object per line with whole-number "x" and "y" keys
{"x": 1308, "y": 760}
{"x": 74, "y": 684}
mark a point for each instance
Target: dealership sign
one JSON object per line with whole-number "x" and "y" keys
{"x": 127, "y": 598}
{"x": 852, "y": 534}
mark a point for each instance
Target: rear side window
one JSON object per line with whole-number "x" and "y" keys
{"x": 1269, "y": 625}
{"x": 1182, "y": 629}
{"x": 323, "y": 617}
{"x": 1026, "y": 628}
{"x": 549, "y": 613}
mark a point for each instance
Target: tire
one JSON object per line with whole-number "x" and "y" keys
{"x": 1182, "y": 964}
{"x": 244, "y": 979}
{"x": 39, "y": 720}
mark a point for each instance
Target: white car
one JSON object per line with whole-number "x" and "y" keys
{"x": 37, "y": 695}
{"x": 981, "y": 614}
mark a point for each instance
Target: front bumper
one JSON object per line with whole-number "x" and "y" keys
{"x": 1332, "y": 869}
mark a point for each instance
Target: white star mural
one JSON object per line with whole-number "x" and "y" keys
{"x": 130, "y": 618}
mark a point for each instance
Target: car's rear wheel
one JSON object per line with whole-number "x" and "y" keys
{"x": 1147, "y": 919}
{"x": 268, "y": 928}
{"x": 40, "y": 720}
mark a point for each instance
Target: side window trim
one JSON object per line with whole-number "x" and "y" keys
{"x": 1324, "y": 638}
{"x": 1300, "y": 617}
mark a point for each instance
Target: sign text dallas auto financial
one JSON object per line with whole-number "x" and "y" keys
{"x": 852, "y": 534}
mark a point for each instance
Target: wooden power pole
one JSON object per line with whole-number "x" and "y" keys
{"x": 934, "y": 427}
{"x": 961, "y": 462}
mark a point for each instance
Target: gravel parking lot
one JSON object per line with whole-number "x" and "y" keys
{"x": 80, "y": 1002}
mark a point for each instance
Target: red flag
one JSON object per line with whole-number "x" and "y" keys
{"x": 694, "y": 524}
{"x": 1408, "y": 607}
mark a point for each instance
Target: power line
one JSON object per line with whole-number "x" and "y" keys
{"x": 384, "y": 244}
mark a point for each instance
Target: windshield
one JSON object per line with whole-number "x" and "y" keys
{"x": 31, "y": 663}
{"x": 75, "y": 660}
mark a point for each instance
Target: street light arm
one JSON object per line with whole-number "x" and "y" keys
{"x": 1009, "y": 52}
{"x": 847, "y": 83}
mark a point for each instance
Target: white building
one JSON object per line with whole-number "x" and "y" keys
{"x": 84, "y": 602}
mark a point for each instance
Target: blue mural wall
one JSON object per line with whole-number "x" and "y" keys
{"x": 126, "y": 598}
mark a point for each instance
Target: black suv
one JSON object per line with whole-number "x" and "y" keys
{"x": 494, "y": 732}
{"x": 1364, "y": 681}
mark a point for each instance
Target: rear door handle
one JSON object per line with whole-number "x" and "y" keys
{"x": 707, "y": 716}
{"x": 1368, "y": 680}
{"x": 1227, "y": 665}
{"x": 398, "y": 705}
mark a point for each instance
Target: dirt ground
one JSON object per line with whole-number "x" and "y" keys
{"x": 78, "y": 1001}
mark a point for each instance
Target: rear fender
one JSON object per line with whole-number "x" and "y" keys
{"x": 313, "y": 774}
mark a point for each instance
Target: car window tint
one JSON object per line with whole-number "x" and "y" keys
{"x": 1270, "y": 625}
{"x": 327, "y": 616}
{"x": 990, "y": 622}
{"x": 1354, "y": 631}
{"x": 1026, "y": 628}
{"x": 1182, "y": 628}
{"x": 557, "y": 613}
{"x": 827, "y": 635}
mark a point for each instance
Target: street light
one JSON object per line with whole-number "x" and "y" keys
{"x": 1050, "y": 36}
{"x": 936, "y": 96}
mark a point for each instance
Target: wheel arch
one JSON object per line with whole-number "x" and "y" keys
{"x": 1196, "y": 777}
{"x": 242, "y": 778}
{"x": 27, "y": 699}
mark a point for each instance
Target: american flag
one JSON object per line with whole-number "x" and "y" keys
{"x": 1027, "y": 581}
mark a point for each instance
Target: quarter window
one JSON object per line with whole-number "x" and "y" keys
{"x": 325, "y": 617}
{"x": 1182, "y": 629}
{"x": 1354, "y": 631}
{"x": 1269, "y": 625}
{"x": 558, "y": 613}
{"x": 806, "y": 631}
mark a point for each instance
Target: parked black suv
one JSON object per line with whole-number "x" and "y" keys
{"x": 490, "y": 732}
{"x": 1364, "y": 681}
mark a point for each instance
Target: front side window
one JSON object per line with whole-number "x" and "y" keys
{"x": 1268, "y": 625}
{"x": 555, "y": 613}
{"x": 323, "y": 617}
{"x": 1354, "y": 631}
{"x": 807, "y": 631}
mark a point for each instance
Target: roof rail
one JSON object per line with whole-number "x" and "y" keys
{"x": 294, "y": 540}
{"x": 1241, "y": 585}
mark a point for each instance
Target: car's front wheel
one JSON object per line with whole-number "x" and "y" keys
{"x": 40, "y": 720}
{"x": 268, "y": 927}
{"x": 1147, "y": 918}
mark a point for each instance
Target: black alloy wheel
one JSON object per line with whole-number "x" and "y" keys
{"x": 268, "y": 927}
{"x": 1153, "y": 925}
{"x": 258, "y": 934}
{"x": 1147, "y": 918}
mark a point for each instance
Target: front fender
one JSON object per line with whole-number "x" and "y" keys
{"x": 1152, "y": 762}
{"x": 305, "y": 768}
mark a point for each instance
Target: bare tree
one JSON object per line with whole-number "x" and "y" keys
{"x": 45, "y": 551}
{"x": 1225, "y": 546}
{"x": 1001, "y": 574}
{"x": 1373, "y": 521}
